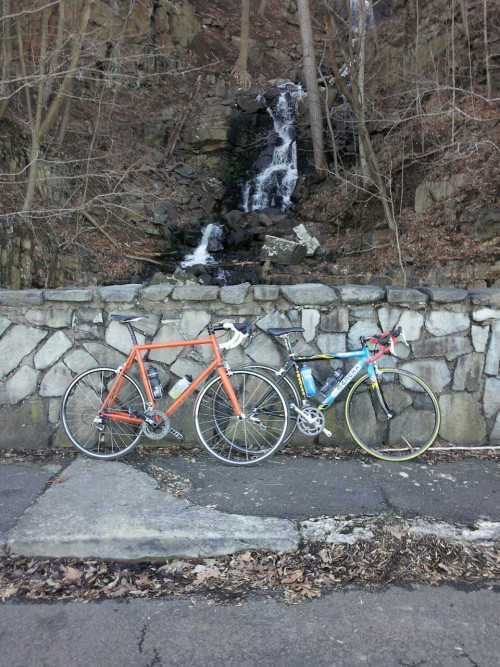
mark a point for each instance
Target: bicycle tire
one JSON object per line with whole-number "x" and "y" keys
{"x": 110, "y": 438}
{"x": 412, "y": 429}
{"x": 250, "y": 439}
{"x": 290, "y": 392}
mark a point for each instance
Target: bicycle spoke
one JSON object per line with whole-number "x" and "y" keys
{"x": 248, "y": 439}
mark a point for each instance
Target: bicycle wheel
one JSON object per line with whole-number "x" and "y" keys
{"x": 414, "y": 421}
{"x": 248, "y": 439}
{"x": 289, "y": 391}
{"x": 100, "y": 438}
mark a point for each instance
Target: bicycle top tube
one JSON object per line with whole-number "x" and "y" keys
{"x": 353, "y": 354}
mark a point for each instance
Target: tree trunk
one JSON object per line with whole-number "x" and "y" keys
{"x": 6, "y": 57}
{"x": 240, "y": 69}
{"x": 311, "y": 79}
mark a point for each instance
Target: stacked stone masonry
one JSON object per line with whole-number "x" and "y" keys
{"x": 48, "y": 336}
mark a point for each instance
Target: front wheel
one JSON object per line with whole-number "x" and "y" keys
{"x": 254, "y": 436}
{"x": 396, "y": 419}
{"x": 101, "y": 437}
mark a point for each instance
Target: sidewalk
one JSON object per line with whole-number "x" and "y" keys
{"x": 115, "y": 510}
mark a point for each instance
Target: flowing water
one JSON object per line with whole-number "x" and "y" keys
{"x": 274, "y": 185}
{"x": 201, "y": 255}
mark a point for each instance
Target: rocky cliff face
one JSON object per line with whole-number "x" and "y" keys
{"x": 157, "y": 110}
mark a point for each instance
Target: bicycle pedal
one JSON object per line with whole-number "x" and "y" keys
{"x": 176, "y": 434}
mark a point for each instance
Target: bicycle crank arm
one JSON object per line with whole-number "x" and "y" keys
{"x": 145, "y": 418}
{"x": 176, "y": 434}
{"x": 309, "y": 419}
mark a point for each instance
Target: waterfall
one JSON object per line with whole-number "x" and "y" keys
{"x": 274, "y": 185}
{"x": 211, "y": 236}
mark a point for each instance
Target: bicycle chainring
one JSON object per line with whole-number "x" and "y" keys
{"x": 156, "y": 432}
{"x": 314, "y": 428}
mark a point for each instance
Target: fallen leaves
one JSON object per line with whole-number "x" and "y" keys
{"x": 291, "y": 577}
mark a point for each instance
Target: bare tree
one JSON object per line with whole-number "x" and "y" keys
{"x": 6, "y": 57}
{"x": 311, "y": 80}
{"x": 355, "y": 94}
{"x": 240, "y": 69}
{"x": 44, "y": 117}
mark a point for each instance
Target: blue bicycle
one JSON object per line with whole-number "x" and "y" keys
{"x": 390, "y": 412}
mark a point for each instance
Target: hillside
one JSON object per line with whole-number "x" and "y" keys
{"x": 158, "y": 133}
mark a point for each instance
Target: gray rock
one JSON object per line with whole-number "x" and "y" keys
{"x": 4, "y": 325}
{"x": 480, "y": 337}
{"x": 55, "y": 381}
{"x": 157, "y": 292}
{"x": 337, "y": 321}
{"x": 265, "y": 292}
{"x": 119, "y": 293}
{"x": 19, "y": 386}
{"x": 445, "y": 294}
{"x": 389, "y": 317}
{"x": 234, "y": 294}
{"x": 411, "y": 322}
{"x": 310, "y": 294}
{"x": 193, "y": 321}
{"x": 434, "y": 372}
{"x": 55, "y": 318}
{"x": 444, "y": 323}
{"x": 468, "y": 371}
{"x": 492, "y": 365}
{"x": 282, "y": 251}
{"x": 79, "y": 361}
{"x": 329, "y": 343}
{"x": 263, "y": 350}
{"x": 168, "y": 333}
{"x": 429, "y": 192}
{"x": 29, "y": 297}
{"x": 310, "y": 242}
{"x": 461, "y": 420}
{"x": 495, "y": 432}
{"x": 491, "y": 399}
{"x": 357, "y": 294}
{"x": 484, "y": 314}
{"x": 450, "y": 347}
{"x": 17, "y": 343}
{"x": 405, "y": 295}
{"x": 310, "y": 321}
{"x": 485, "y": 297}
{"x": 273, "y": 319}
{"x": 68, "y": 294}
{"x": 52, "y": 350}
{"x": 104, "y": 356}
{"x": 117, "y": 336}
{"x": 194, "y": 292}
{"x": 361, "y": 328}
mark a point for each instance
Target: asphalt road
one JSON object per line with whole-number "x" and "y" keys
{"x": 299, "y": 488}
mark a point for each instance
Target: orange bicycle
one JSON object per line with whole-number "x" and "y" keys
{"x": 241, "y": 416}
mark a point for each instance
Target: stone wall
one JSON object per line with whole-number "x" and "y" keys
{"x": 48, "y": 336}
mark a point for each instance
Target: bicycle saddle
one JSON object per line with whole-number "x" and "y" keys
{"x": 285, "y": 331}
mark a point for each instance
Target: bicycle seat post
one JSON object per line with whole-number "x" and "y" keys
{"x": 132, "y": 333}
{"x": 288, "y": 345}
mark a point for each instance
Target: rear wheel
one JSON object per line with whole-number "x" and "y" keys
{"x": 101, "y": 437}
{"x": 254, "y": 436}
{"x": 289, "y": 391}
{"x": 407, "y": 427}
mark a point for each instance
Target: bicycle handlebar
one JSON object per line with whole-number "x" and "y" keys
{"x": 240, "y": 330}
{"x": 386, "y": 340}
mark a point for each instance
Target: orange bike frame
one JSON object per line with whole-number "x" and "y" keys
{"x": 136, "y": 356}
